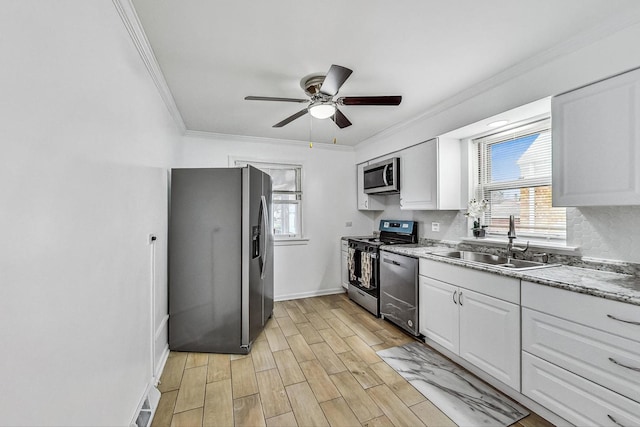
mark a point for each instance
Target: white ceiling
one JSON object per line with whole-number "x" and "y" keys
{"x": 214, "y": 53}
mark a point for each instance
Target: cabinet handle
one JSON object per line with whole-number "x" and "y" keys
{"x": 460, "y": 299}
{"x": 454, "y": 297}
{"x": 614, "y": 421}
{"x": 366, "y": 202}
{"x": 622, "y": 320}
{"x": 612, "y": 360}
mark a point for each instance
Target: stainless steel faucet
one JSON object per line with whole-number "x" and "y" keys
{"x": 511, "y": 235}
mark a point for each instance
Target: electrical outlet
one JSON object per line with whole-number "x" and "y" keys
{"x": 348, "y": 224}
{"x": 435, "y": 226}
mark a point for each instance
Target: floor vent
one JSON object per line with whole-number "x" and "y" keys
{"x": 147, "y": 409}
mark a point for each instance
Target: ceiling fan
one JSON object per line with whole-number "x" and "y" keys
{"x": 321, "y": 89}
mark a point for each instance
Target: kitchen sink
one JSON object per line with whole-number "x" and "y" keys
{"x": 495, "y": 260}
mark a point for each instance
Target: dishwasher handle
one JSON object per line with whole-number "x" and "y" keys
{"x": 390, "y": 261}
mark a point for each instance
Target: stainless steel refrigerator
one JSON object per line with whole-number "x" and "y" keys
{"x": 220, "y": 259}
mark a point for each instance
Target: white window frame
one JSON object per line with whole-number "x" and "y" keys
{"x": 267, "y": 164}
{"x": 481, "y": 184}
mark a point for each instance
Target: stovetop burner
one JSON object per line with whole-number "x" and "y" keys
{"x": 392, "y": 233}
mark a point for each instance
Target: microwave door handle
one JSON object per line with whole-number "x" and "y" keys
{"x": 384, "y": 175}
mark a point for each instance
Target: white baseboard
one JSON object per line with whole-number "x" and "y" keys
{"x": 332, "y": 291}
{"x": 160, "y": 365}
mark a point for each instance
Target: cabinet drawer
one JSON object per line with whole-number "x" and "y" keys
{"x": 603, "y": 358}
{"x": 575, "y": 399}
{"x": 610, "y": 316}
{"x": 495, "y": 285}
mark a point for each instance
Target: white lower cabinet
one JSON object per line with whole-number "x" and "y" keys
{"x": 344, "y": 252}
{"x": 579, "y": 401}
{"x": 481, "y": 328}
{"x": 581, "y": 356}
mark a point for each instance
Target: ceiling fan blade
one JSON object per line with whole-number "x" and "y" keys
{"x": 370, "y": 100}
{"x": 335, "y": 78}
{"x": 291, "y": 118}
{"x": 271, "y": 98}
{"x": 340, "y": 119}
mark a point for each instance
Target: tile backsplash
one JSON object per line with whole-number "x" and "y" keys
{"x": 600, "y": 232}
{"x": 606, "y": 232}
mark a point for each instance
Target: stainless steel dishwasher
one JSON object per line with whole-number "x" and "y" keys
{"x": 399, "y": 290}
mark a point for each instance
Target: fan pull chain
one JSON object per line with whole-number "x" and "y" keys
{"x": 310, "y": 129}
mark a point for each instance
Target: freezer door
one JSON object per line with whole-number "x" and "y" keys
{"x": 205, "y": 228}
{"x": 253, "y": 297}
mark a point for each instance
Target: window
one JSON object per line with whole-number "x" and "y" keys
{"x": 514, "y": 176}
{"x": 286, "y": 197}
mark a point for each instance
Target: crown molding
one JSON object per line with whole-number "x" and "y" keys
{"x": 131, "y": 22}
{"x": 264, "y": 140}
{"x": 578, "y": 41}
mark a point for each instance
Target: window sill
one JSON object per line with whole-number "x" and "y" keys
{"x": 291, "y": 241}
{"x": 560, "y": 247}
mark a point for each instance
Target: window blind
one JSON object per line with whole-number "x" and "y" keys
{"x": 514, "y": 176}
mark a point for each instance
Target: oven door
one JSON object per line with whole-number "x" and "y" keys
{"x": 364, "y": 276}
{"x": 363, "y": 270}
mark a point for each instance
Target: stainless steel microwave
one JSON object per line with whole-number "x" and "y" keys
{"x": 382, "y": 177}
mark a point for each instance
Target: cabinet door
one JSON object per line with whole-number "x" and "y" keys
{"x": 438, "y": 310}
{"x": 490, "y": 335}
{"x": 419, "y": 176}
{"x": 366, "y": 202}
{"x": 596, "y": 143}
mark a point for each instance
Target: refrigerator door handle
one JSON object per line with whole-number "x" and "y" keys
{"x": 265, "y": 230}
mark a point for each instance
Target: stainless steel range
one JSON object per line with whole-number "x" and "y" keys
{"x": 364, "y": 261}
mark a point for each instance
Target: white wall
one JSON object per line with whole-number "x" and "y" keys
{"x": 85, "y": 137}
{"x": 453, "y": 224}
{"x": 538, "y": 78}
{"x": 329, "y": 202}
{"x": 595, "y": 230}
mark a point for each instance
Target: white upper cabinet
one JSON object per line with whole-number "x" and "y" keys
{"x": 596, "y": 143}
{"x": 365, "y": 201}
{"x": 430, "y": 176}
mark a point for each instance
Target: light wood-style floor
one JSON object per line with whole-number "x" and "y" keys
{"x": 315, "y": 364}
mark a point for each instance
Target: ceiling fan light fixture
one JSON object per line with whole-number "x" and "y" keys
{"x": 322, "y": 110}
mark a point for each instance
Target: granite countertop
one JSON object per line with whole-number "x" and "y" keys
{"x": 614, "y": 286}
